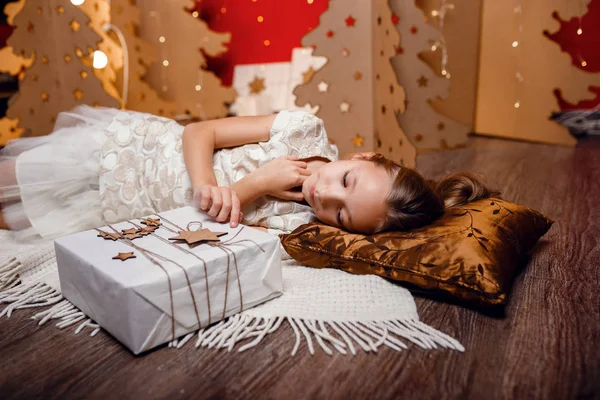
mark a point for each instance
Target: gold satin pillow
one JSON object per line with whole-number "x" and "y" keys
{"x": 470, "y": 253}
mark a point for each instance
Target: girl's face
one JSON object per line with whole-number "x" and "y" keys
{"x": 349, "y": 194}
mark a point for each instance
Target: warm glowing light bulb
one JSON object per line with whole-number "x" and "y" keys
{"x": 583, "y": 63}
{"x": 223, "y": 10}
{"x": 260, "y": 18}
{"x": 444, "y": 72}
{"x": 198, "y": 88}
{"x": 162, "y": 39}
{"x": 433, "y": 48}
{"x": 517, "y": 104}
{"x": 579, "y": 31}
{"x": 166, "y": 63}
{"x": 77, "y": 2}
{"x": 309, "y": 1}
{"x": 195, "y": 14}
{"x": 267, "y": 42}
{"x": 100, "y": 60}
{"x": 515, "y": 43}
{"x": 435, "y": 13}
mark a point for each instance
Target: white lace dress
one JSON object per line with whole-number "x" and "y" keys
{"x": 105, "y": 165}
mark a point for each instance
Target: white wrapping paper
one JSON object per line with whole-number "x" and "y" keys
{"x": 145, "y": 304}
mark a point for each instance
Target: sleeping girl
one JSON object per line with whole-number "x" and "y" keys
{"x": 277, "y": 172}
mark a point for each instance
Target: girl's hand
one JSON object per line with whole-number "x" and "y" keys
{"x": 282, "y": 174}
{"x": 220, "y": 202}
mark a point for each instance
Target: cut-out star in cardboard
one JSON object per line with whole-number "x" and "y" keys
{"x": 201, "y": 235}
{"x": 323, "y": 86}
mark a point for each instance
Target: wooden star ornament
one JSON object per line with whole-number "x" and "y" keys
{"x": 147, "y": 230}
{"x": 124, "y": 256}
{"x": 110, "y": 236}
{"x": 201, "y": 235}
{"x": 151, "y": 222}
{"x": 257, "y": 85}
{"x": 132, "y": 236}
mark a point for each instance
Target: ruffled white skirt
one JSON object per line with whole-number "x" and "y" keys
{"x": 49, "y": 185}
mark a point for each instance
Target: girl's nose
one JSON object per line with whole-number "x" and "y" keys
{"x": 329, "y": 195}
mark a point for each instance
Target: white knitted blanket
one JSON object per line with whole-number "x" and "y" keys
{"x": 328, "y": 307}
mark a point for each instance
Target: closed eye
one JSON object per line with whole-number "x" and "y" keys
{"x": 344, "y": 180}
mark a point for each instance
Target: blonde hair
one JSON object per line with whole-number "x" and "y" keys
{"x": 414, "y": 201}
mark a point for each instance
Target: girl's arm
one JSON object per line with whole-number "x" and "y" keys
{"x": 276, "y": 177}
{"x": 201, "y": 139}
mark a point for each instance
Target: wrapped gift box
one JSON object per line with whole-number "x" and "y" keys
{"x": 170, "y": 288}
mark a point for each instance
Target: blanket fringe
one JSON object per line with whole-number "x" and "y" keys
{"x": 9, "y": 273}
{"x": 37, "y": 294}
{"x": 344, "y": 336}
{"x": 243, "y": 330}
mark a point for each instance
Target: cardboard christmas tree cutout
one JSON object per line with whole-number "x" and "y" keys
{"x": 427, "y": 128}
{"x": 12, "y": 64}
{"x": 520, "y": 69}
{"x": 55, "y": 32}
{"x": 181, "y": 39}
{"x": 357, "y": 90}
{"x": 99, "y": 13}
{"x": 579, "y": 37}
{"x": 460, "y": 29}
{"x": 140, "y": 96}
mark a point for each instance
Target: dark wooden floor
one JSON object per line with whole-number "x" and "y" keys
{"x": 546, "y": 347}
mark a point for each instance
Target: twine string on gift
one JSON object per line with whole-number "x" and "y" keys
{"x": 153, "y": 261}
{"x": 227, "y": 251}
{"x": 228, "y": 262}
{"x": 165, "y": 259}
{"x": 194, "y": 255}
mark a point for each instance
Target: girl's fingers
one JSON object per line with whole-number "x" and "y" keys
{"x": 226, "y": 206}
{"x": 291, "y": 157}
{"x": 300, "y": 179}
{"x": 301, "y": 164}
{"x": 304, "y": 172}
{"x": 205, "y": 198}
{"x": 217, "y": 202}
{"x": 234, "y": 220}
{"x": 289, "y": 195}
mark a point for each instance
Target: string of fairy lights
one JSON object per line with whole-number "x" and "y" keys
{"x": 517, "y": 42}
{"x": 441, "y": 43}
{"x": 100, "y": 60}
{"x": 518, "y": 10}
{"x": 581, "y": 13}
